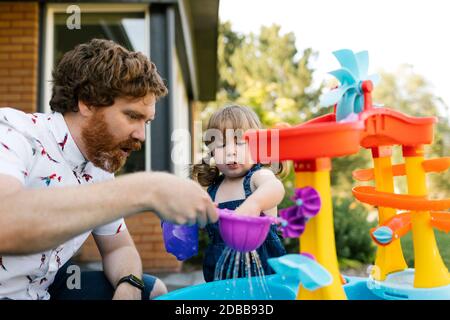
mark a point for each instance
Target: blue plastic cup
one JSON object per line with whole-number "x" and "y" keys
{"x": 180, "y": 240}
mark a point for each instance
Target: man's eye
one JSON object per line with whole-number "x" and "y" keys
{"x": 132, "y": 116}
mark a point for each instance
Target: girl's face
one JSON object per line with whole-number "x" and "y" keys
{"x": 233, "y": 158}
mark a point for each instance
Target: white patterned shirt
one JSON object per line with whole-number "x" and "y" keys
{"x": 38, "y": 150}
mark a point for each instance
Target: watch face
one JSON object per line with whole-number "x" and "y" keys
{"x": 137, "y": 281}
{"x": 134, "y": 281}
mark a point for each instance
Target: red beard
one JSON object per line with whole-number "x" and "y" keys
{"x": 102, "y": 149}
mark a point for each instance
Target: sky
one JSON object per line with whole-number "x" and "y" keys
{"x": 395, "y": 32}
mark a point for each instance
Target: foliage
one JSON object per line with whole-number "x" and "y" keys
{"x": 265, "y": 72}
{"x": 351, "y": 229}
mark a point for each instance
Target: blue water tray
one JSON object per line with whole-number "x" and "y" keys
{"x": 277, "y": 288}
{"x": 273, "y": 288}
{"x": 399, "y": 286}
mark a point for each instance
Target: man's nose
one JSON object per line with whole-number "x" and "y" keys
{"x": 139, "y": 133}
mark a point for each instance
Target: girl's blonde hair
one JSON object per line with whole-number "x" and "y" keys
{"x": 230, "y": 117}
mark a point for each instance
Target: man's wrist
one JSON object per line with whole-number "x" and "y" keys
{"x": 133, "y": 280}
{"x": 138, "y": 191}
{"x": 125, "y": 291}
{"x": 145, "y": 190}
{"x": 127, "y": 286}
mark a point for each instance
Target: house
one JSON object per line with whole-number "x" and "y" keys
{"x": 180, "y": 36}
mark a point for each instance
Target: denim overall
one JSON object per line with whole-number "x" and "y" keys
{"x": 272, "y": 246}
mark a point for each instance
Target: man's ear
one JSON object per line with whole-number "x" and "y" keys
{"x": 85, "y": 110}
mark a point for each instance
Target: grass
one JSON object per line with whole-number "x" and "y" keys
{"x": 443, "y": 242}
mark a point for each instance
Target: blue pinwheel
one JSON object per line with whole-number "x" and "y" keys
{"x": 355, "y": 84}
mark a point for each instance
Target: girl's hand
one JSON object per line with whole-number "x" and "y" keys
{"x": 249, "y": 208}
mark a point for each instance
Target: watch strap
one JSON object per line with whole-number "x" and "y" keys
{"x": 133, "y": 280}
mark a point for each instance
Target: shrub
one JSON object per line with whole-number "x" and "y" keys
{"x": 351, "y": 230}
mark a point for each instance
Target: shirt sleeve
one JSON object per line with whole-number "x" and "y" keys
{"x": 114, "y": 227}
{"x": 15, "y": 153}
{"x": 111, "y": 228}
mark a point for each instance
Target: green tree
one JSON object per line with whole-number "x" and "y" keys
{"x": 266, "y": 72}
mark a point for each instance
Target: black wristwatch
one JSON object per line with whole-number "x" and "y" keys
{"x": 133, "y": 280}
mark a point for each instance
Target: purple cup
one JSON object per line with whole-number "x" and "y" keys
{"x": 243, "y": 233}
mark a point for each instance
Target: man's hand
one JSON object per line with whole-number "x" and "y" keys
{"x": 181, "y": 201}
{"x": 126, "y": 291}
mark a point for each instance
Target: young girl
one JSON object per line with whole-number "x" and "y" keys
{"x": 234, "y": 182}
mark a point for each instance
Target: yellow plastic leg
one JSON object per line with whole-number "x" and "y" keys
{"x": 388, "y": 258}
{"x": 318, "y": 238}
{"x": 430, "y": 270}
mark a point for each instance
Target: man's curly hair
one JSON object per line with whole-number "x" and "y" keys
{"x": 99, "y": 71}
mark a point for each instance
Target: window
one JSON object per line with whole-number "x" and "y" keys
{"x": 126, "y": 24}
{"x": 181, "y": 153}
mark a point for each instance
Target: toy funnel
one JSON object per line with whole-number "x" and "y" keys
{"x": 303, "y": 268}
{"x": 245, "y": 233}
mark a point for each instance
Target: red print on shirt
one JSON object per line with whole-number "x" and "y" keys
{"x": 34, "y": 118}
{"x": 1, "y": 264}
{"x": 45, "y": 153}
{"x": 5, "y": 146}
{"x": 118, "y": 229}
{"x": 62, "y": 144}
{"x": 87, "y": 177}
{"x": 50, "y": 178}
{"x": 58, "y": 260}
{"x": 42, "y": 260}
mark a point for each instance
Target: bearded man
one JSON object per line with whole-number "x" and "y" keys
{"x": 57, "y": 181}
